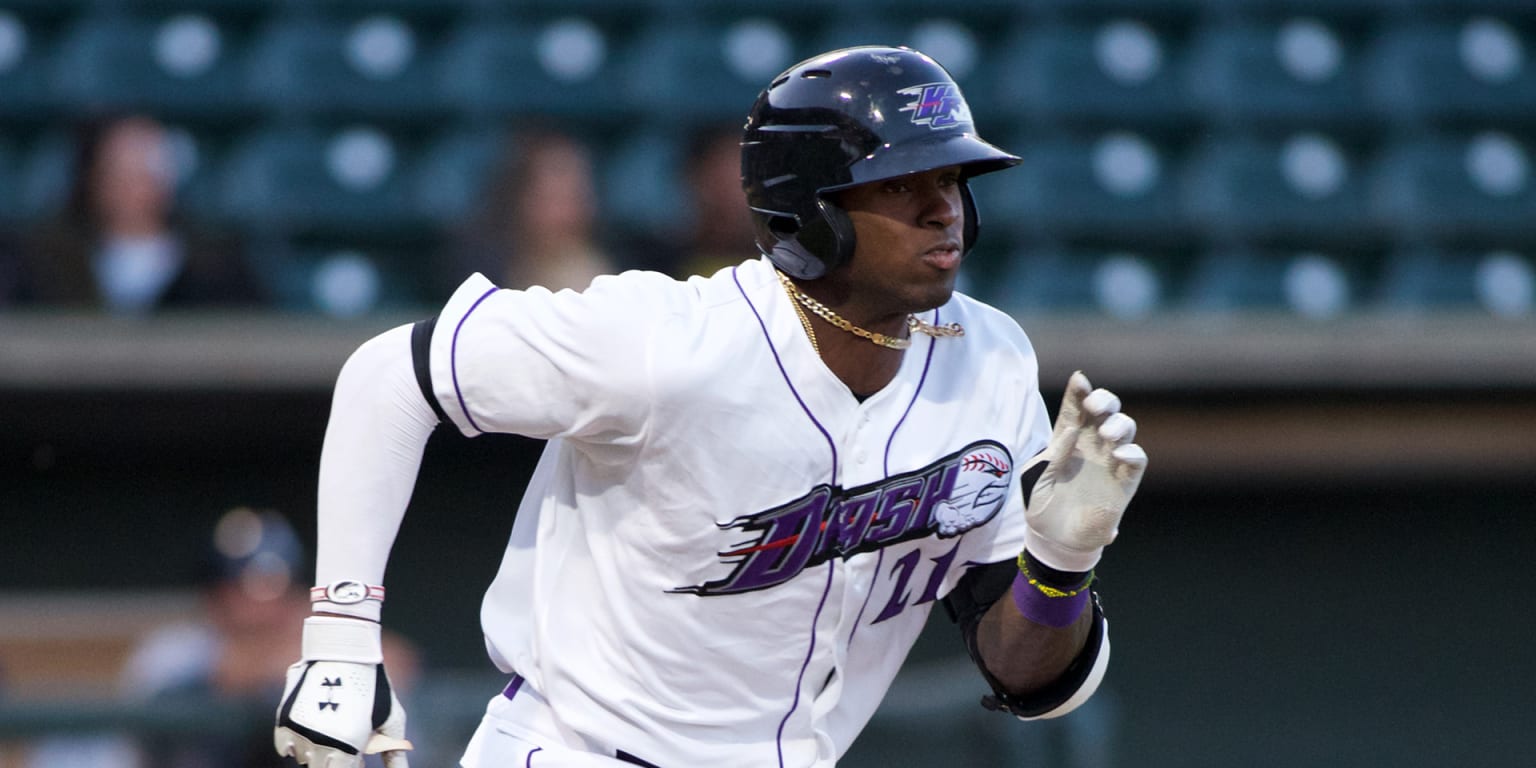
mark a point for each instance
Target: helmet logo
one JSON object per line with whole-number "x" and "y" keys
{"x": 936, "y": 105}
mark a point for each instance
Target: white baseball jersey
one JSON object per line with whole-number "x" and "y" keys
{"x": 723, "y": 556}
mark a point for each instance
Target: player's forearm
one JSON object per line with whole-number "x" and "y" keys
{"x": 378, "y": 428}
{"x": 1024, "y": 655}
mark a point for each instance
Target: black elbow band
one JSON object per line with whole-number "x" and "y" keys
{"x": 978, "y": 589}
{"x": 1060, "y": 690}
{"x": 421, "y": 359}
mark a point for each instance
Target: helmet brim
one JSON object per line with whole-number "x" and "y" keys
{"x": 971, "y": 154}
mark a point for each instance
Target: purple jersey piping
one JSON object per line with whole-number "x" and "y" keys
{"x": 453, "y": 358}
{"x": 927, "y": 363}
{"x": 831, "y": 565}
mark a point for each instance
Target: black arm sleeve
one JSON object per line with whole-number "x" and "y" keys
{"x": 978, "y": 589}
{"x": 421, "y": 358}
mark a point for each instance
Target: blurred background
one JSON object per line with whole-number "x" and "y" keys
{"x": 1298, "y": 238}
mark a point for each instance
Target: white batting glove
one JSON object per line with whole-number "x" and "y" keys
{"x": 1090, "y": 471}
{"x": 338, "y": 705}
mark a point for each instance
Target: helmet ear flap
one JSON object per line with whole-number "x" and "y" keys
{"x": 971, "y": 227}
{"x": 824, "y": 243}
{"x": 839, "y": 240}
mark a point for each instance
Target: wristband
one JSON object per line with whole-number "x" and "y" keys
{"x": 346, "y": 592}
{"x": 1055, "y": 604}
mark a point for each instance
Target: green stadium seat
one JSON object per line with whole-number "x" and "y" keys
{"x": 347, "y": 277}
{"x": 1457, "y": 7}
{"x": 1327, "y": 9}
{"x": 348, "y": 181}
{"x": 1294, "y": 72}
{"x": 1100, "y": 9}
{"x": 28, "y": 51}
{"x": 450, "y": 176}
{"x": 560, "y": 68}
{"x": 186, "y": 65}
{"x": 375, "y": 67}
{"x": 698, "y": 72}
{"x": 1499, "y": 281}
{"x": 34, "y": 175}
{"x": 1121, "y": 283}
{"x": 1473, "y": 70}
{"x": 848, "y": 31}
{"x": 415, "y": 10}
{"x": 1310, "y": 284}
{"x": 1104, "y": 73}
{"x": 1115, "y": 184}
{"x": 640, "y": 180}
{"x": 1466, "y": 187}
{"x": 1306, "y": 186}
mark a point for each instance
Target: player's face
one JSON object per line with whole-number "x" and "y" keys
{"x": 908, "y": 234}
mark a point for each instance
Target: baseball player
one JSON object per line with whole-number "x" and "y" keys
{"x": 756, "y": 484}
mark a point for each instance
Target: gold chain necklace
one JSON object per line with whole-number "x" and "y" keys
{"x": 805, "y": 322}
{"x": 826, "y": 313}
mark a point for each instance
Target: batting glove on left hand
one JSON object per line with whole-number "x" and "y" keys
{"x": 338, "y": 705}
{"x": 1086, "y": 477}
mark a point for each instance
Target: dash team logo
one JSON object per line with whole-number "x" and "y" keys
{"x": 936, "y": 105}
{"x": 961, "y": 491}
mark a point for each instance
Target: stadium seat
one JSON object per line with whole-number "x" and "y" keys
{"x": 449, "y": 178}
{"x": 345, "y": 277}
{"x": 1099, "y": 9}
{"x": 1306, "y": 186}
{"x": 218, "y": 8}
{"x": 1473, "y": 70}
{"x": 185, "y": 65}
{"x": 1299, "y": 71}
{"x": 1332, "y": 9}
{"x": 1119, "y": 283}
{"x": 35, "y": 172}
{"x": 1468, "y": 187}
{"x": 845, "y": 31}
{"x": 1116, "y": 184}
{"x": 699, "y": 72}
{"x": 560, "y": 68}
{"x": 375, "y": 67}
{"x": 1309, "y": 284}
{"x": 199, "y": 157}
{"x": 417, "y": 10}
{"x": 28, "y": 50}
{"x": 345, "y": 181}
{"x": 640, "y": 181}
{"x": 1498, "y": 281}
{"x": 1110, "y": 72}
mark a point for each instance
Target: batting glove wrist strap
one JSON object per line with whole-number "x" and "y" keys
{"x": 332, "y": 638}
{"x": 1049, "y": 581}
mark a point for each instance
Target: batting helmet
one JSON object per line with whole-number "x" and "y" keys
{"x": 845, "y": 118}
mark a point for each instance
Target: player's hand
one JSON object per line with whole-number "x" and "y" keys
{"x": 338, "y": 705}
{"x": 1086, "y": 477}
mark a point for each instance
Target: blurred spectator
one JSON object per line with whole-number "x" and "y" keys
{"x": 256, "y": 596}
{"x": 536, "y": 224}
{"x": 120, "y": 243}
{"x": 720, "y": 234}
